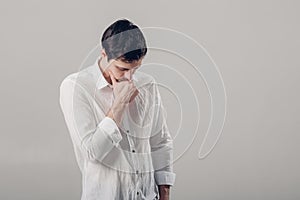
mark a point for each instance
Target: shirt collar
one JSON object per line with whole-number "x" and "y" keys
{"x": 101, "y": 82}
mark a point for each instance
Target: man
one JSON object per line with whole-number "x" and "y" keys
{"x": 116, "y": 121}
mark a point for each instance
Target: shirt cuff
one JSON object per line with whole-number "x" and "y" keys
{"x": 164, "y": 178}
{"x": 109, "y": 126}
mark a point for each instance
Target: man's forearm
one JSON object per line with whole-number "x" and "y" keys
{"x": 116, "y": 112}
{"x": 164, "y": 192}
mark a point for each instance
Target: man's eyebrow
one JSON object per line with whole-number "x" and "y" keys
{"x": 121, "y": 67}
{"x": 127, "y": 68}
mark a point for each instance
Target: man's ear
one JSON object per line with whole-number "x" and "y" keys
{"x": 103, "y": 54}
{"x": 104, "y": 60}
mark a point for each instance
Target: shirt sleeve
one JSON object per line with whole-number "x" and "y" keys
{"x": 161, "y": 144}
{"x": 96, "y": 141}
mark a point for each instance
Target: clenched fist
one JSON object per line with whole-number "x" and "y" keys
{"x": 124, "y": 92}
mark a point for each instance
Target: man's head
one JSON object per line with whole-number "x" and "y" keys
{"x": 123, "y": 49}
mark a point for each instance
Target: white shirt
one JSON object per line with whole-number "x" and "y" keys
{"x": 117, "y": 163}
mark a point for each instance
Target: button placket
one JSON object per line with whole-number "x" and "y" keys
{"x": 133, "y": 154}
{"x": 131, "y": 144}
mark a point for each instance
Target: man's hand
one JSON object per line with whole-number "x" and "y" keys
{"x": 124, "y": 92}
{"x": 164, "y": 192}
{"x": 136, "y": 92}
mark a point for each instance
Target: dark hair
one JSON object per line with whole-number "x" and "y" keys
{"x": 127, "y": 44}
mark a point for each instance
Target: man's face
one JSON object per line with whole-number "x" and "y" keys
{"x": 122, "y": 70}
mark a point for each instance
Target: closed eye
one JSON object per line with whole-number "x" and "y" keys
{"x": 125, "y": 69}
{"x": 122, "y": 69}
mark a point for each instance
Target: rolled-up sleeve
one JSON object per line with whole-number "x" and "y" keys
{"x": 96, "y": 141}
{"x": 161, "y": 144}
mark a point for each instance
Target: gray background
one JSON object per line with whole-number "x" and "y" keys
{"x": 254, "y": 43}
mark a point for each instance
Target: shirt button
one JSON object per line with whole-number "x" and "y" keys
{"x": 137, "y": 193}
{"x": 133, "y": 150}
{"x": 127, "y": 131}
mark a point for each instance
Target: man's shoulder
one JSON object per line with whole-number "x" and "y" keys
{"x": 143, "y": 78}
{"x": 82, "y": 77}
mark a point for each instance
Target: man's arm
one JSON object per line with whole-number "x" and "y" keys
{"x": 124, "y": 92}
{"x": 95, "y": 140}
{"x": 161, "y": 148}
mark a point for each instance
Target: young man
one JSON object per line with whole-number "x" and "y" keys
{"x": 116, "y": 121}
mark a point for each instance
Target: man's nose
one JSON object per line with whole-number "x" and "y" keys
{"x": 128, "y": 74}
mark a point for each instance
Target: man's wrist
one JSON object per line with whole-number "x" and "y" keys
{"x": 116, "y": 112}
{"x": 110, "y": 114}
